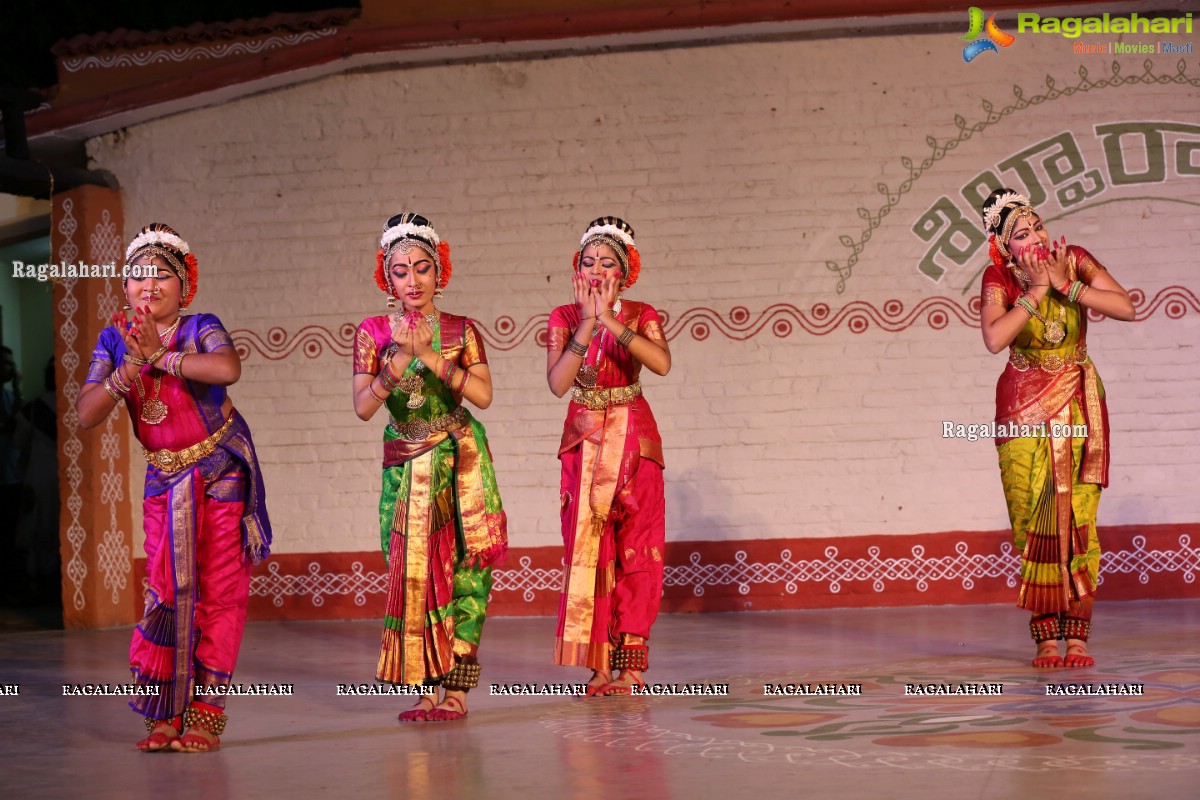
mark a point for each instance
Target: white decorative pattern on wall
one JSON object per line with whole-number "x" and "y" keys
{"x": 917, "y": 569}
{"x": 76, "y": 569}
{"x": 186, "y": 53}
{"x": 317, "y": 585}
{"x": 114, "y": 556}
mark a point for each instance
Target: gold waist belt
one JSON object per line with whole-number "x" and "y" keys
{"x": 1023, "y": 362}
{"x": 175, "y": 460}
{"x": 600, "y": 399}
{"x": 418, "y": 430}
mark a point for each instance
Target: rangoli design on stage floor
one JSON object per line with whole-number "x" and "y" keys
{"x": 1022, "y": 729}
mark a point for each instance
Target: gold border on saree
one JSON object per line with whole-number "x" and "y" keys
{"x": 175, "y": 460}
{"x": 1052, "y": 363}
{"x": 418, "y": 430}
{"x": 600, "y": 399}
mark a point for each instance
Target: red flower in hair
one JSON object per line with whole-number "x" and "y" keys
{"x": 575, "y": 260}
{"x": 443, "y": 249}
{"x": 635, "y": 267}
{"x": 994, "y": 251}
{"x": 380, "y": 276}
{"x": 193, "y": 278}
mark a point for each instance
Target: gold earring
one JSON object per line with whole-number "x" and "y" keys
{"x": 391, "y": 303}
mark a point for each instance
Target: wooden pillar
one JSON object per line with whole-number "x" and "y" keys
{"x": 95, "y": 524}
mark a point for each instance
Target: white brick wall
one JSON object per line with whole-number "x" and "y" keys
{"x": 739, "y": 165}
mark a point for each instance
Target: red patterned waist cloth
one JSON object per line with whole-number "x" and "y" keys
{"x": 1035, "y": 387}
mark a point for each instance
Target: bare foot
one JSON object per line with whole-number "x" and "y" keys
{"x": 196, "y": 740}
{"x": 1047, "y": 655}
{"x": 417, "y": 713}
{"x": 599, "y": 679}
{"x": 453, "y": 706}
{"x": 624, "y": 683}
{"x": 163, "y": 737}
{"x": 1077, "y": 654}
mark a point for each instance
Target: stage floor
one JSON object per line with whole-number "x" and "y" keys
{"x": 882, "y": 743}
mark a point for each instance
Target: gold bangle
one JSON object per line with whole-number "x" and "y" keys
{"x": 141, "y": 362}
{"x": 108, "y": 387}
{"x": 119, "y": 381}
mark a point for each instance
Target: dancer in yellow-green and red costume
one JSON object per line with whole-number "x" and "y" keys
{"x": 441, "y": 521}
{"x": 1052, "y": 421}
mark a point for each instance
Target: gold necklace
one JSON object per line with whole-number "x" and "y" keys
{"x": 412, "y": 383}
{"x": 154, "y": 410}
{"x": 1054, "y": 332}
{"x": 589, "y": 373}
{"x": 166, "y": 335}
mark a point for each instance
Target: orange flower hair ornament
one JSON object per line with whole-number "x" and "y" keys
{"x": 443, "y": 249}
{"x": 635, "y": 267}
{"x": 380, "y": 273}
{"x": 994, "y": 251}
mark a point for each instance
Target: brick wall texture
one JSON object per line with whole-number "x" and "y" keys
{"x": 776, "y": 188}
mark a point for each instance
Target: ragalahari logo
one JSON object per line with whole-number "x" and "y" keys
{"x": 994, "y": 37}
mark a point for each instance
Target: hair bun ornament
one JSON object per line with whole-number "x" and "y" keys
{"x": 157, "y": 234}
{"x": 996, "y": 203}
{"x": 613, "y": 227}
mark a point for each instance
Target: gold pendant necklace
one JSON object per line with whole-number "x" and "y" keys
{"x": 1056, "y": 331}
{"x": 1053, "y": 332}
{"x": 154, "y": 410}
{"x": 589, "y": 374}
{"x": 412, "y": 383}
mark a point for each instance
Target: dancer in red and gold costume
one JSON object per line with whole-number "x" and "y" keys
{"x": 1054, "y": 446}
{"x": 205, "y": 517}
{"x": 612, "y": 504}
